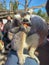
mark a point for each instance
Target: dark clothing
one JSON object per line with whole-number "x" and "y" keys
{"x": 6, "y": 29}
{"x": 47, "y": 7}
{"x": 1, "y": 35}
{"x": 7, "y": 26}
{"x": 44, "y": 54}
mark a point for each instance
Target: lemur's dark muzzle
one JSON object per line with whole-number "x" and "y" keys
{"x": 26, "y": 21}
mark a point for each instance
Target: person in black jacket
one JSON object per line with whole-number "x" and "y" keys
{"x": 6, "y": 29}
{"x": 47, "y": 7}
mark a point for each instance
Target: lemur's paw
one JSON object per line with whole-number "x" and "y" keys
{"x": 26, "y": 56}
{"x": 37, "y": 61}
{"x": 22, "y": 60}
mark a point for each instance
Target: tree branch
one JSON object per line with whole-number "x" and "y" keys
{"x": 21, "y": 4}
{"x": 29, "y": 2}
{"x": 35, "y": 7}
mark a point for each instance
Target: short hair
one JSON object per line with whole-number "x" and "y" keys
{"x": 8, "y": 16}
{"x": 1, "y": 20}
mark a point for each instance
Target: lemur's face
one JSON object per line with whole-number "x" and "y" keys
{"x": 12, "y": 32}
{"x": 13, "y": 28}
{"x": 27, "y": 17}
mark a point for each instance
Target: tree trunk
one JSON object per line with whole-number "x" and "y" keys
{"x": 26, "y": 5}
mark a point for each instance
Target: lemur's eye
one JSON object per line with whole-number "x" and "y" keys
{"x": 25, "y": 20}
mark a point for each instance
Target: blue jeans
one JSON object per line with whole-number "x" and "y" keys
{"x": 13, "y": 60}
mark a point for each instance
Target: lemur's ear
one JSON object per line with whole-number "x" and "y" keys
{"x": 47, "y": 7}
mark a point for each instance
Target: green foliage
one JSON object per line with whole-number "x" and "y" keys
{"x": 43, "y": 15}
{"x": 4, "y": 4}
{"x": 15, "y": 6}
{"x": 39, "y": 12}
{"x": 1, "y": 6}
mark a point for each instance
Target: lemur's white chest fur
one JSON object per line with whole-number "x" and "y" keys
{"x": 31, "y": 40}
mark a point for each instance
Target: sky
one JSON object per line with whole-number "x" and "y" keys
{"x": 33, "y": 3}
